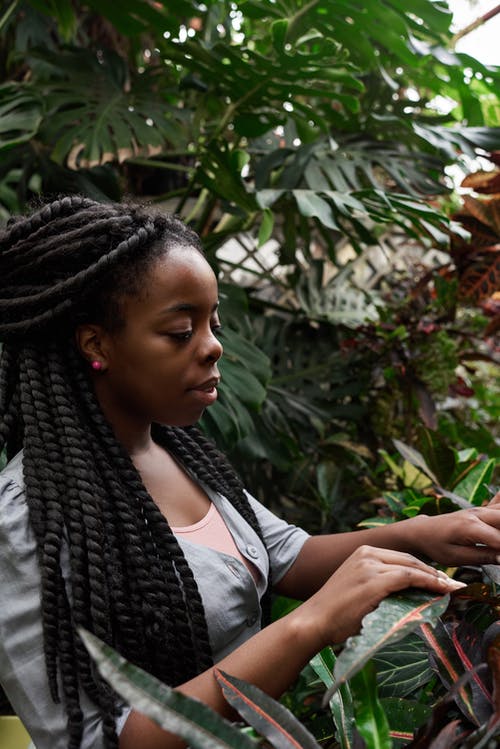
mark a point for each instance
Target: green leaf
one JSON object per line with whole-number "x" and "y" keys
{"x": 21, "y": 112}
{"x": 266, "y": 227}
{"x": 240, "y": 349}
{"x": 341, "y": 703}
{"x": 402, "y": 667}
{"x": 394, "y": 618}
{"x": 404, "y": 717}
{"x": 279, "y": 30}
{"x": 474, "y": 486}
{"x": 311, "y": 204}
{"x": 438, "y": 456}
{"x": 66, "y": 19}
{"x": 195, "y": 722}
{"x": 94, "y": 114}
{"x": 271, "y": 719}
{"x": 414, "y": 457}
{"x": 242, "y": 383}
{"x": 369, "y": 715}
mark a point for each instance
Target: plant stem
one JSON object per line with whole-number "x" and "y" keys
{"x": 475, "y": 25}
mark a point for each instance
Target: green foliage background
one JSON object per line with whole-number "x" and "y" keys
{"x": 312, "y": 124}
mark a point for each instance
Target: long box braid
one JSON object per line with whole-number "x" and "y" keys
{"x": 129, "y": 581}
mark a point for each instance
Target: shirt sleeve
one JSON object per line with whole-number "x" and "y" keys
{"x": 22, "y": 663}
{"x": 283, "y": 540}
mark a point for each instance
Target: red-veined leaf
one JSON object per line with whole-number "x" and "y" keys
{"x": 449, "y": 667}
{"x": 199, "y": 725}
{"x": 482, "y": 278}
{"x": 468, "y": 650}
{"x": 267, "y": 716}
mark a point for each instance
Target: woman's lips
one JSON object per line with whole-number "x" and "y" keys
{"x": 206, "y": 393}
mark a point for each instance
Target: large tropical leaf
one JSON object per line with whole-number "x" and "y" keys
{"x": 95, "y": 113}
{"x": 245, "y": 372}
{"x": 351, "y": 164}
{"x": 200, "y": 726}
{"x": 257, "y": 79}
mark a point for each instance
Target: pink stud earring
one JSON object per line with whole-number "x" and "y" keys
{"x": 97, "y": 365}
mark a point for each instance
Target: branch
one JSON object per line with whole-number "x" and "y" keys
{"x": 475, "y": 24}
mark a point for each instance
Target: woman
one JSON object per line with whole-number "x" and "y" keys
{"x": 117, "y": 515}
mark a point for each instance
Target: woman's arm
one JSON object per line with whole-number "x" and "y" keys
{"x": 463, "y": 537}
{"x": 274, "y": 657}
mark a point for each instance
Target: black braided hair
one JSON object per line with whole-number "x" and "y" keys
{"x": 72, "y": 261}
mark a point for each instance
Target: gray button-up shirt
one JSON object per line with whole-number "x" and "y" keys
{"x": 230, "y": 594}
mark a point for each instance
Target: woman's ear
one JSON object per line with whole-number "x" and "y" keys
{"x": 91, "y": 342}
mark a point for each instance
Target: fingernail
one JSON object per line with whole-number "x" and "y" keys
{"x": 450, "y": 581}
{"x": 456, "y": 584}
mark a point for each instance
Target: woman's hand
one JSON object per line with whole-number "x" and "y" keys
{"x": 359, "y": 585}
{"x": 469, "y": 536}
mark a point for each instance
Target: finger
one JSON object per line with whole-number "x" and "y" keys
{"x": 413, "y": 571}
{"x": 480, "y": 526}
{"x": 389, "y": 556}
{"x": 477, "y": 554}
{"x": 400, "y": 577}
{"x": 494, "y": 500}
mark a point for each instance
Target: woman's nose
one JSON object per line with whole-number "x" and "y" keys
{"x": 214, "y": 347}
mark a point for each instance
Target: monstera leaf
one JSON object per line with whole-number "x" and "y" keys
{"x": 95, "y": 113}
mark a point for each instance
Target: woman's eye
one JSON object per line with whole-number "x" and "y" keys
{"x": 217, "y": 329}
{"x": 185, "y": 336}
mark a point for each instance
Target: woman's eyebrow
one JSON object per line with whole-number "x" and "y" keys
{"x": 186, "y": 307}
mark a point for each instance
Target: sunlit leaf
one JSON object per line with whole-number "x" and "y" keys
{"x": 475, "y": 484}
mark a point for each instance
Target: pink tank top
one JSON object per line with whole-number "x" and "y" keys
{"x": 212, "y": 531}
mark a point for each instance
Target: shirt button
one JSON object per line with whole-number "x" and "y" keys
{"x": 252, "y": 619}
{"x": 252, "y": 551}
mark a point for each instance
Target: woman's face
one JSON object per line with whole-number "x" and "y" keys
{"x": 161, "y": 365}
